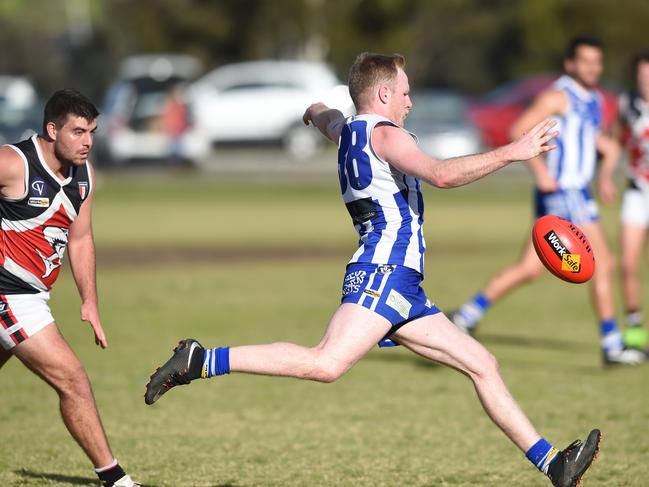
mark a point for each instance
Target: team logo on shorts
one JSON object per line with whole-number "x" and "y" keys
{"x": 372, "y": 292}
{"x": 397, "y": 302}
{"x": 386, "y": 268}
{"x": 353, "y": 282}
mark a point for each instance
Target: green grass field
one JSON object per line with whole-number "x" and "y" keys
{"x": 228, "y": 263}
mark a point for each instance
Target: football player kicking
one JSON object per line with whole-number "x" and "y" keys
{"x": 380, "y": 168}
{"x": 562, "y": 189}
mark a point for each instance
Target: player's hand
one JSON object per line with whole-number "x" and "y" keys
{"x": 313, "y": 111}
{"x": 90, "y": 313}
{"x": 307, "y": 117}
{"x": 535, "y": 142}
{"x": 607, "y": 190}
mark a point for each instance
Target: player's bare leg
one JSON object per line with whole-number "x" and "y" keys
{"x": 603, "y": 300}
{"x": 438, "y": 339}
{"x": 602, "y": 281}
{"x": 48, "y": 355}
{"x": 351, "y": 333}
{"x": 526, "y": 269}
{"x": 632, "y": 241}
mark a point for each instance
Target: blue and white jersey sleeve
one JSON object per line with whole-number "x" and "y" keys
{"x": 386, "y": 205}
{"x": 573, "y": 162}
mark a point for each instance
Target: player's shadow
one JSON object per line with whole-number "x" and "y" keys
{"x": 66, "y": 479}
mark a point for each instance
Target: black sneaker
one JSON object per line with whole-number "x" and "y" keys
{"x": 568, "y": 468}
{"x": 183, "y": 367}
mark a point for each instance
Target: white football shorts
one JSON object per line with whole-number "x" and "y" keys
{"x": 635, "y": 207}
{"x": 22, "y": 315}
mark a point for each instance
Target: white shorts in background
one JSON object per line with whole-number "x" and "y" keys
{"x": 22, "y": 315}
{"x": 635, "y": 207}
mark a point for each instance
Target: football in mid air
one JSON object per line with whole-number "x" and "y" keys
{"x": 563, "y": 248}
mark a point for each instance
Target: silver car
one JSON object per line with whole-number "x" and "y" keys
{"x": 439, "y": 119}
{"x": 263, "y": 101}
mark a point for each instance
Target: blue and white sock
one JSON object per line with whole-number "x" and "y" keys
{"x": 611, "y": 338}
{"x": 216, "y": 361}
{"x": 473, "y": 311}
{"x": 542, "y": 454}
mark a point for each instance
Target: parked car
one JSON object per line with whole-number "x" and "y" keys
{"x": 263, "y": 101}
{"x": 440, "y": 120}
{"x": 495, "y": 112}
{"x": 133, "y": 125}
{"x": 20, "y": 109}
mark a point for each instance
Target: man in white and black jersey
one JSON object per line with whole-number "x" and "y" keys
{"x": 563, "y": 180}
{"x": 634, "y": 122}
{"x": 380, "y": 168}
{"x": 46, "y": 191}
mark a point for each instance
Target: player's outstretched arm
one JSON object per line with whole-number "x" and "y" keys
{"x": 399, "y": 149}
{"x": 327, "y": 120}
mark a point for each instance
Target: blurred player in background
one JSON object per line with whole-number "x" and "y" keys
{"x": 562, "y": 188}
{"x": 634, "y": 120}
{"x": 46, "y": 191}
{"x": 380, "y": 168}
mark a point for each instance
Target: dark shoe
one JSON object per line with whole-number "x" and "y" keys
{"x": 183, "y": 367}
{"x": 571, "y": 463}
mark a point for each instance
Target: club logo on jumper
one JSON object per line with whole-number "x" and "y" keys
{"x": 571, "y": 262}
{"x": 38, "y": 202}
{"x": 3, "y": 308}
{"x": 58, "y": 238}
{"x": 38, "y": 186}
{"x": 83, "y": 189}
{"x": 353, "y": 282}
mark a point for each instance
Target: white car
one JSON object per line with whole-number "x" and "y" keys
{"x": 130, "y": 125}
{"x": 20, "y": 109}
{"x": 263, "y": 101}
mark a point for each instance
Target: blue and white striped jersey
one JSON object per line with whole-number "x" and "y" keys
{"x": 386, "y": 206}
{"x": 572, "y": 163}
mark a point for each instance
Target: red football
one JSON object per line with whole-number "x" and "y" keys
{"x": 563, "y": 249}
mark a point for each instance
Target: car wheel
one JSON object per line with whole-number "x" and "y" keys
{"x": 302, "y": 142}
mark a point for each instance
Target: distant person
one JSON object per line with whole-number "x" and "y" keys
{"x": 634, "y": 118}
{"x": 380, "y": 167}
{"x": 46, "y": 192}
{"x": 563, "y": 189}
{"x": 175, "y": 122}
